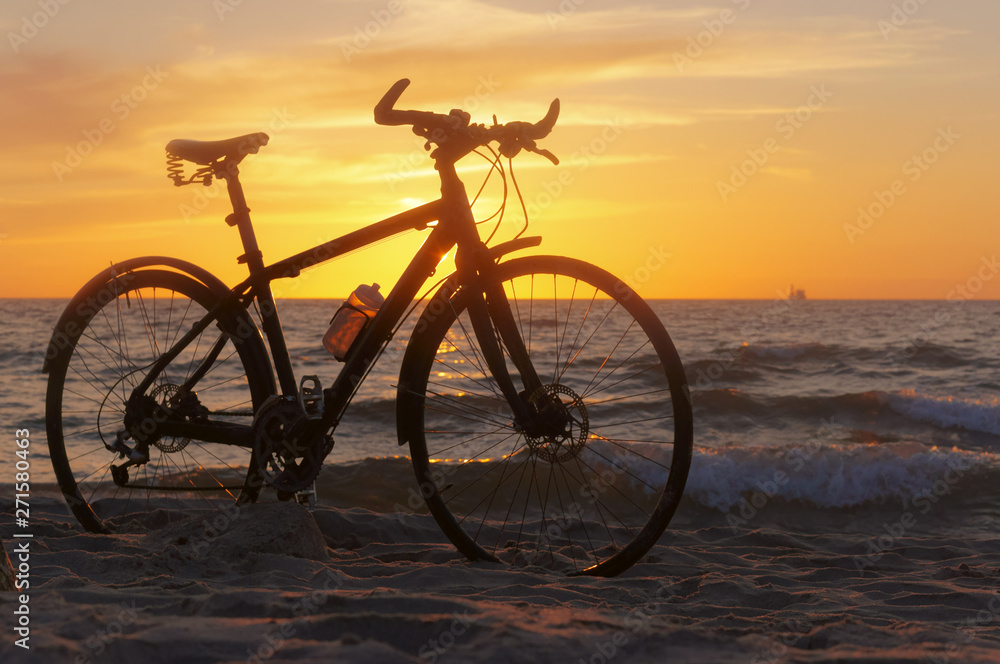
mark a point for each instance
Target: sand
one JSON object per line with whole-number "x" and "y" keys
{"x": 277, "y": 583}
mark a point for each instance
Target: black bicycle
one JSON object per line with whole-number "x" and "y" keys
{"x": 543, "y": 403}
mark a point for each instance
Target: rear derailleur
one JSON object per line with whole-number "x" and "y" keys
{"x": 164, "y": 403}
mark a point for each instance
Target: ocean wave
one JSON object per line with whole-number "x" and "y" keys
{"x": 837, "y": 476}
{"x": 757, "y": 356}
{"x": 727, "y": 401}
{"x": 831, "y": 476}
{"x": 721, "y": 402}
{"x": 930, "y": 355}
{"x": 865, "y": 409}
{"x": 716, "y": 369}
{"x": 910, "y": 476}
{"x": 971, "y": 414}
{"x": 794, "y": 351}
{"x": 377, "y": 409}
{"x": 725, "y": 362}
{"x": 755, "y": 362}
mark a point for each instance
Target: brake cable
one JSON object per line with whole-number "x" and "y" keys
{"x": 520, "y": 198}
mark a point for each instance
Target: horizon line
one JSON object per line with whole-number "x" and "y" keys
{"x": 677, "y": 299}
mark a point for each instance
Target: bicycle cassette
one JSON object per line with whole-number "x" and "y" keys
{"x": 287, "y": 462}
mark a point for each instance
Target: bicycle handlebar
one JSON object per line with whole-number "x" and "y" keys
{"x": 385, "y": 114}
{"x": 512, "y": 136}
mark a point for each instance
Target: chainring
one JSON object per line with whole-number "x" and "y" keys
{"x": 286, "y": 463}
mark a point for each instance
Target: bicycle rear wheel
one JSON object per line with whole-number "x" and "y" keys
{"x": 591, "y": 496}
{"x": 102, "y": 347}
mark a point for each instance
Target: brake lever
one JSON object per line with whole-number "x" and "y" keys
{"x": 425, "y": 133}
{"x": 545, "y": 153}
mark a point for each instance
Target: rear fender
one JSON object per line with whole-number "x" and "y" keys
{"x": 79, "y": 301}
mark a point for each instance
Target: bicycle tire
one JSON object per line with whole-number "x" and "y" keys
{"x": 613, "y": 496}
{"x": 110, "y": 332}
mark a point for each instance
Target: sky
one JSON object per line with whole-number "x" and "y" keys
{"x": 708, "y": 150}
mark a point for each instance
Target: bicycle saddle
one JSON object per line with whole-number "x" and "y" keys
{"x": 209, "y": 152}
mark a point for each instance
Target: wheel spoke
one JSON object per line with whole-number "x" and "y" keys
{"x": 92, "y": 381}
{"x": 571, "y": 494}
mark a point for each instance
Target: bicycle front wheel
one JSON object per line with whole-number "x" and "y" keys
{"x": 101, "y": 349}
{"x": 595, "y": 493}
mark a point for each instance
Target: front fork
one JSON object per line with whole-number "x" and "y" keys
{"x": 496, "y": 329}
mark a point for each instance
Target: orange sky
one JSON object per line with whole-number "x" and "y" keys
{"x": 726, "y": 147}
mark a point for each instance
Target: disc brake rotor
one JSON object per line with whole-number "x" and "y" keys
{"x": 162, "y": 395}
{"x": 568, "y": 423}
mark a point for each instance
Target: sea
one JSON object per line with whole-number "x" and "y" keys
{"x": 843, "y": 504}
{"x": 807, "y": 404}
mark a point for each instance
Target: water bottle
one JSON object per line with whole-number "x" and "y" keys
{"x": 351, "y": 319}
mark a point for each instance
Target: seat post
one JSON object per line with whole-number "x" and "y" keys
{"x": 255, "y": 261}
{"x": 241, "y": 217}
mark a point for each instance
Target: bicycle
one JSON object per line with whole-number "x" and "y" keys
{"x": 543, "y": 402}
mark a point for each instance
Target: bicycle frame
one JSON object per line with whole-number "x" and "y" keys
{"x": 475, "y": 263}
{"x": 601, "y": 448}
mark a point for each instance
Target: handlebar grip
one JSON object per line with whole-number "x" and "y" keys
{"x": 385, "y": 114}
{"x": 542, "y": 128}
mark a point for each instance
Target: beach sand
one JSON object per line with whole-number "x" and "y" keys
{"x": 274, "y": 582}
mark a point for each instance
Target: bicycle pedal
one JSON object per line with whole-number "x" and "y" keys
{"x": 119, "y": 474}
{"x": 307, "y": 497}
{"x": 311, "y": 397}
